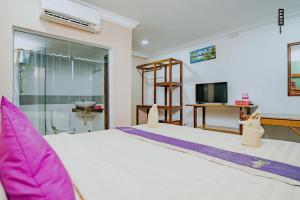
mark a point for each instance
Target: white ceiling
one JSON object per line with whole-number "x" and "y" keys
{"x": 169, "y": 23}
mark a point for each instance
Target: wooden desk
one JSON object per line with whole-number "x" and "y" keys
{"x": 243, "y": 110}
{"x": 291, "y": 121}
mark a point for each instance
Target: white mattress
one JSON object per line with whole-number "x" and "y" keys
{"x": 2, "y": 193}
{"x": 113, "y": 165}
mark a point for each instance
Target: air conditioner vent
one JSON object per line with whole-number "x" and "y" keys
{"x": 72, "y": 14}
{"x": 65, "y": 18}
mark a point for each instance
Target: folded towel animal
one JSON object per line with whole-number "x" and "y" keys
{"x": 153, "y": 117}
{"x": 252, "y": 130}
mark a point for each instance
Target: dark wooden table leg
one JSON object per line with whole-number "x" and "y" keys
{"x": 195, "y": 117}
{"x": 241, "y": 118}
{"x": 147, "y": 112}
{"x": 137, "y": 115}
{"x": 203, "y": 117}
{"x": 248, "y": 111}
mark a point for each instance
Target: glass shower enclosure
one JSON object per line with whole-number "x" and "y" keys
{"x": 60, "y": 85}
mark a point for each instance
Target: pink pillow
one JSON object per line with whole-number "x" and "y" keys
{"x": 29, "y": 167}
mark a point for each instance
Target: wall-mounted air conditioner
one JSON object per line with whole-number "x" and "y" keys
{"x": 71, "y": 14}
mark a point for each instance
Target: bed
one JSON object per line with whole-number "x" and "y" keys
{"x": 112, "y": 164}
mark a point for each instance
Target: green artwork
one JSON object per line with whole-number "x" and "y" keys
{"x": 295, "y": 67}
{"x": 203, "y": 54}
{"x": 296, "y": 70}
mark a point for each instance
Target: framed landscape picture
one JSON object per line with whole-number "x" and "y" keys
{"x": 203, "y": 54}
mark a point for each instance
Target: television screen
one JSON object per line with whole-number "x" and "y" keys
{"x": 211, "y": 93}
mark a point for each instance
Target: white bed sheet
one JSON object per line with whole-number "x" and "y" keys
{"x": 2, "y": 193}
{"x": 113, "y": 165}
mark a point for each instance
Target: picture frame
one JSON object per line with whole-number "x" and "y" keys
{"x": 203, "y": 54}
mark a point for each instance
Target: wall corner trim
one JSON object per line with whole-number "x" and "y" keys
{"x": 111, "y": 17}
{"x": 140, "y": 54}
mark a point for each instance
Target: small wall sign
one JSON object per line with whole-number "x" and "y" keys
{"x": 280, "y": 19}
{"x": 203, "y": 54}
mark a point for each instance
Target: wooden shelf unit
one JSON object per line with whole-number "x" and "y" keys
{"x": 168, "y": 84}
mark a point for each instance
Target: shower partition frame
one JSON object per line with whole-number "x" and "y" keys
{"x": 106, "y": 92}
{"x": 107, "y": 63}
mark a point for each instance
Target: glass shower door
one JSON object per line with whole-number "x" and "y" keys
{"x": 37, "y": 72}
{"x": 29, "y": 83}
{"x": 57, "y": 105}
{"x": 59, "y": 84}
{"x": 87, "y": 87}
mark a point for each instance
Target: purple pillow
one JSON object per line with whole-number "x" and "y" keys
{"x": 29, "y": 167}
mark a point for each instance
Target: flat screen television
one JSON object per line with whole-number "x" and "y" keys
{"x": 211, "y": 93}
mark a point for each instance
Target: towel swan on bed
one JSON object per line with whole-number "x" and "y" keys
{"x": 153, "y": 117}
{"x": 252, "y": 130}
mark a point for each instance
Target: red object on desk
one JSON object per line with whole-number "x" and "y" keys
{"x": 98, "y": 108}
{"x": 242, "y": 103}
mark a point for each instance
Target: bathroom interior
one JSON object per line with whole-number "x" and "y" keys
{"x": 60, "y": 85}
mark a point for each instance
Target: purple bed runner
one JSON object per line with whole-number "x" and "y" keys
{"x": 274, "y": 167}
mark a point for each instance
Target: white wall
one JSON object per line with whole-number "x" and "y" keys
{"x": 254, "y": 62}
{"x": 137, "y": 87}
{"x": 25, "y": 14}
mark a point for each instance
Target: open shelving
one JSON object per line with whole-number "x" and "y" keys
{"x": 168, "y": 85}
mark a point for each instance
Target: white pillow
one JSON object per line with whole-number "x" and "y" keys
{"x": 2, "y": 193}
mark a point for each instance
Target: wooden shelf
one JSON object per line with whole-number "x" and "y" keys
{"x": 295, "y": 75}
{"x": 149, "y": 69}
{"x": 168, "y": 84}
{"x": 175, "y": 122}
{"x": 167, "y": 65}
{"x": 220, "y": 129}
{"x": 159, "y": 64}
{"x": 160, "y": 107}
